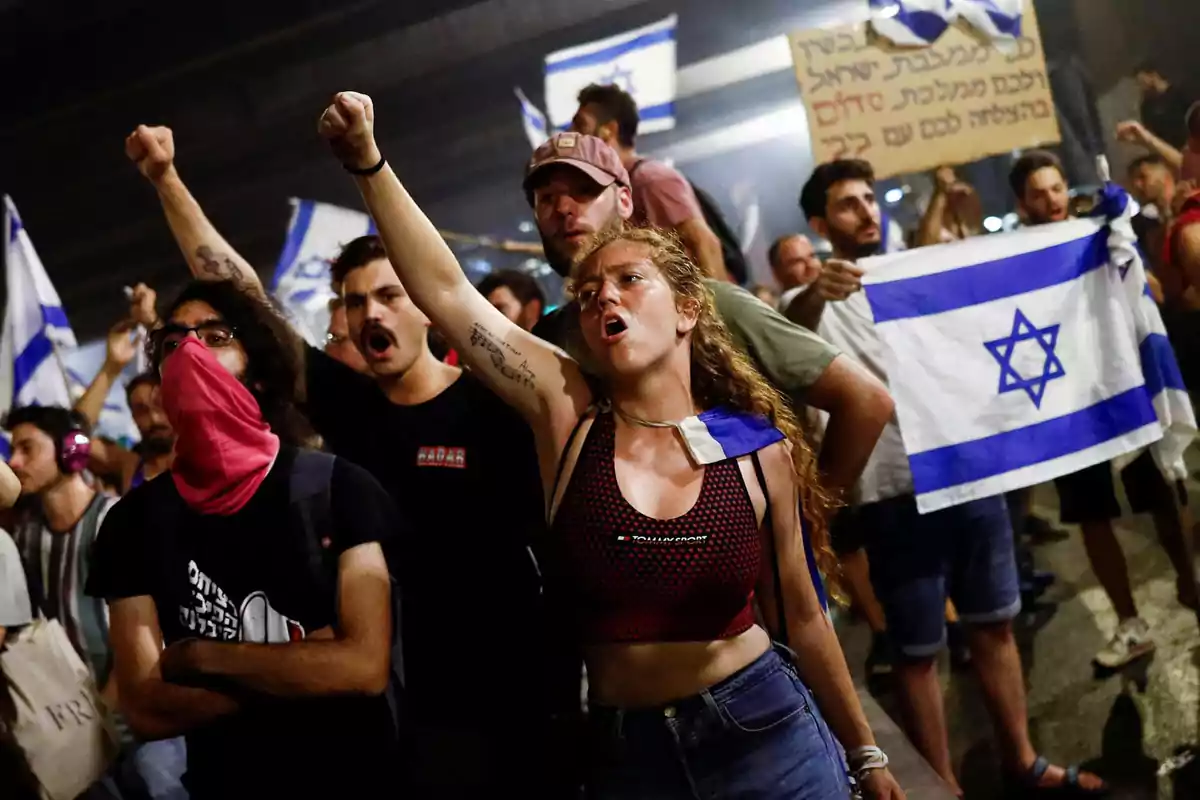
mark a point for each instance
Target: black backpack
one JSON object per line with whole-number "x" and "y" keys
{"x": 310, "y": 503}
{"x": 731, "y": 248}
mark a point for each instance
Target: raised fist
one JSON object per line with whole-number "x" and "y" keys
{"x": 152, "y": 149}
{"x": 142, "y": 306}
{"x": 1133, "y": 132}
{"x": 349, "y": 126}
{"x": 122, "y": 346}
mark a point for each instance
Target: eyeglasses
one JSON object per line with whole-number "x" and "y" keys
{"x": 214, "y": 334}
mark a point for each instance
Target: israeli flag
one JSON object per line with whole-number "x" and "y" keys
{"x": 532, "y": 119}
{"x": 917, "y": 23}
{"x": 36, "y": 331}
{"x": 642, "y": 62}
{"x": 1020, "y": 357}
{"x": 317, "y": 233}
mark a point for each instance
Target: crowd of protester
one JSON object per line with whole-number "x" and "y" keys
{"x": 507, "y": 564}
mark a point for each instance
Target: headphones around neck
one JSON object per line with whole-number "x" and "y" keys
{"x": 74, "y": 451}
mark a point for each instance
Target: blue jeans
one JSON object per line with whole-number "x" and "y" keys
{"x": 964, "y": 552}
{"x": 757, "y": 735}
{"x": 146, "y": 771}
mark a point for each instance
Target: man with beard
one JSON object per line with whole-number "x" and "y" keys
{"x": 463, "y": 466}
{"x": 1089, "y": 497}
{"x": 260, "y": 566}
{"x": 917, "y": 560}
{"x": 578, "y": 187}
{"x": 153, "y": 454}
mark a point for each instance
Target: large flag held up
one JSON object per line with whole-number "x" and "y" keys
{"x": 641, "y": 61}
{"x": 316, "y": 235}
{"x": 36, "y": 331}
{"x": 1017, "y": 358}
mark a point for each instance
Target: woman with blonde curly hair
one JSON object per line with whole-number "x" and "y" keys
{"x": 674, "y": 492}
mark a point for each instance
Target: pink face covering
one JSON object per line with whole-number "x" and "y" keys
{"x": 223, "y": 447}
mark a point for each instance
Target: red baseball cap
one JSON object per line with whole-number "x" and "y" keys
{"x": 588, "y": 154}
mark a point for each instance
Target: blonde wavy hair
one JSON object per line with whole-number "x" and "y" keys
{"x": 723, "y": 376}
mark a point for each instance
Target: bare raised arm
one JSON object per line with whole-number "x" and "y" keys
{"x": 208, "y": 255}
{"x": 539, "y": 380}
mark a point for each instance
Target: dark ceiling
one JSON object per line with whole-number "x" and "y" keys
{"x": 242, "y": 83}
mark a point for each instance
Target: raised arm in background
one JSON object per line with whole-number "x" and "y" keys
{"x": 704, "y": 246}
{"x": 1134, "y": 132}
{"x": 838, "y": 280}
{"x": 207, "y": 253}
{"x": 121, "y": 348}
{"x": 539, "y": 380}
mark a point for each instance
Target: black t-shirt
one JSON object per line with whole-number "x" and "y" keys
{"x": 247, "y": 577}
{"x": 465, "y": 469}
{"x": 1164, "y": 115}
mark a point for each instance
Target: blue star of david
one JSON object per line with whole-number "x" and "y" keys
{"x": 1002, "y": 350}
{"x": 622, "y": 78}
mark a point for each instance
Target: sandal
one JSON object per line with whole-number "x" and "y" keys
{"x": 1027, "y": 785}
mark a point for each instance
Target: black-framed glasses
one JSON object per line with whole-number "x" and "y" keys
{"x": 214, "y": 334}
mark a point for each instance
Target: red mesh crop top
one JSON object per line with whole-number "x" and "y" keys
{"x": 626, "y": 577}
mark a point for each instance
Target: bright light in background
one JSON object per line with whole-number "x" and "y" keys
{"x": 893, "y": 196}
{"x": 993, "y": 224}
{"x": 525, "y": 227}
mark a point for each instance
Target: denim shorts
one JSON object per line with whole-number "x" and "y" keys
{"x": 965, "y": 552}
{"x": 757, "y": 734}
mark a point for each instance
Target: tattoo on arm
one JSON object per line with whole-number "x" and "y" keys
{"x": 503, "y": 355}
{"x": 218, "y": 265}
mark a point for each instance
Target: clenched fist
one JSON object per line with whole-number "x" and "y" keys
{"x": 349, "y": 126}
{"x": 152, "y": 149}
{"x": 142, "y": 306}
{"x": 839, "y": 279}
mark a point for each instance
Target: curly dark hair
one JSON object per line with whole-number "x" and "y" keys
{"x": 614, "y": 104}
{"x": 814, "y": 197}
{"x": 274, "y": 358}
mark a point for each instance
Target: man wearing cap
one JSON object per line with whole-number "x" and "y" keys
{"x": 661, "y": 196}
{"x": 578, "y": 187}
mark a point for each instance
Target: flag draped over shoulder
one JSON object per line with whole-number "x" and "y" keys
{"x": 36, "y": 330}
{"x": 1020, "y": 357}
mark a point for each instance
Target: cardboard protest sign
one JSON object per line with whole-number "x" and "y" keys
{"x": 907, "y": 109}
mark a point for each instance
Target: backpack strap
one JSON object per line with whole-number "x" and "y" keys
{"x": 562, "y": 459}
{"x": 310, "y": 493}
{"x": 636, "y": 165}
{"x": 311, "y": 497}
{"x": 781, "y": 614}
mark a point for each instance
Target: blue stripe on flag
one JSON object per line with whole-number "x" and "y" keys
{"x": 609, "y": 53}
{"x": 1159, "y": 366}
{"x": 291, "y": 248}
{"x": 983, "y": 283}
{"x": 372, "y": 229}
{"x": 26, "y": 363}
{"x": 1004, "y": 23}
{"x": 15, "y": 229}
{"x": 660, "y": 111}
{"x": 957, "y": 464}
{"x": 5, "y": 448}
{"x": 55, "y": 317}
{"x": 738, "y": 432}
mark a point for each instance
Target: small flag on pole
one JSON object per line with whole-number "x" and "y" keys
{"x": 532, "y": 119}
{"x": 36, "y": 330}
{"x": 641, "y": 61}
{"x": 916, "y": 23}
